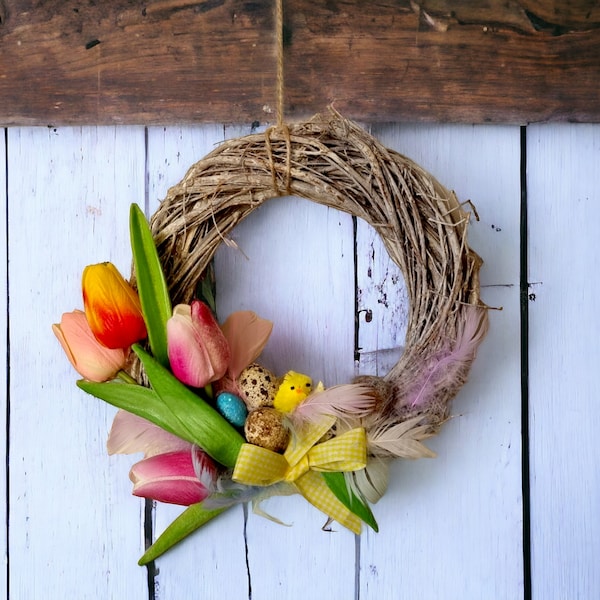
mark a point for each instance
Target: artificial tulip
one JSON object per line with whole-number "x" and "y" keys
{"x": 91, "y": 360}
{"x": 184, "y": 477}
{"x": 112, "y": 307}
{"x": 198, "y": 350}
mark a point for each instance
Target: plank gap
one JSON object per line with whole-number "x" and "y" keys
{"x": 7, "y": 381}
{"x": 524, "y": 304}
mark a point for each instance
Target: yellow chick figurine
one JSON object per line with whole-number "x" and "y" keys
{"x": 294, "y": 388}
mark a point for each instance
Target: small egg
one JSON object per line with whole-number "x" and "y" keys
{"x": 264, "y": 427}
{"x": 258, "y": 385}
{"x": 232, "y": 408}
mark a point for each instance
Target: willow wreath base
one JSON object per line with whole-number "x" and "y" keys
{"x": 332, "y": 161}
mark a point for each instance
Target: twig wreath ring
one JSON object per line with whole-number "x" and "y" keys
{"x": 334, "y": 162}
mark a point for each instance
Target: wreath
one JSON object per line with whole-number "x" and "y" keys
{"x": 217, "y": 428}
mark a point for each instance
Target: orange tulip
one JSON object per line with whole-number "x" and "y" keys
{"x": 112, "y": 307}
{"x": 91, "y": 360}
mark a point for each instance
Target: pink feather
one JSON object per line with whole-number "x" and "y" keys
{"x": 342, "y": 401}
{"x": 247, "y": 335}
{"x": 130, "y": 434}
{"x": 448, "y": 368}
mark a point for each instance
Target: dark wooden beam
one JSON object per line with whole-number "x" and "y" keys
{"x": 179, "y": 61}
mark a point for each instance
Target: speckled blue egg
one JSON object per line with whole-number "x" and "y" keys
{"x": 232, "y": 408}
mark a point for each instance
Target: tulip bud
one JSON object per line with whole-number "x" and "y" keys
{"x": 183, "y": 477}
{"x": 112, "y": 307}
{"x": 198, "y": 350}
{"x": 91, "y": 360}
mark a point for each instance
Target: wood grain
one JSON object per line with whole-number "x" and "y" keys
{"x": 176, "y": 61}
{"x": 563, "y": 183}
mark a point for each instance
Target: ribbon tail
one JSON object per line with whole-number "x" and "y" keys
{"x": 312, "y": 486}
{"x": 279, "y": 489}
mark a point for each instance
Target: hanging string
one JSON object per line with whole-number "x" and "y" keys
{"x": 279, "y": 28}
{"x": 281, "y": 127}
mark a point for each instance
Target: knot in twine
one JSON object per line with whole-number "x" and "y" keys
{"x": 301, "y": 463}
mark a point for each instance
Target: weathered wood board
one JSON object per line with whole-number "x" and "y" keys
{"x": 176, "y": 61}
{"x": 563, "y": 183}
{"x": 4, "y": 352}
{"x": 71, "y": 521}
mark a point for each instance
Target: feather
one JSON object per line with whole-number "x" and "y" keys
{"x": 447, "y": 368}
{"x": 402, "y": 440}
{"x": 342, "y": 401}
{"x": 130, "y": 433}
{"x": 228, "y": 493}
{"x": 204, "y": 468}
{"x": 247, "y": 335}
{"x": 371, "y": 482}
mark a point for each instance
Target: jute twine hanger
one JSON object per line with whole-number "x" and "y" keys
{"x": 280, "y": 127}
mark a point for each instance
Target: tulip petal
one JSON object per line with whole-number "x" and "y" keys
{"x": 130, "y": 433}
{"x": 112, "y": 306}
{"x": 188, "y": 356}
{"x": 169, "y": 478}
{"x": 214, "y": 340}
{"x": 90, "y": 359}
{"x": 247, "y": 335}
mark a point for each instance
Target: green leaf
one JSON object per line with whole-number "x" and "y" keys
{"x": 174, "y": 407}
{"x": 151, "y": 283}
{"x": 337, "y": 484}
{"x": 186, "y": 523}
{"x": 140, "y": 401}
{"x": 210, "y": 430}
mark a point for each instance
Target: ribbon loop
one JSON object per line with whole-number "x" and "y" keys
{"x": 301, "y": 463}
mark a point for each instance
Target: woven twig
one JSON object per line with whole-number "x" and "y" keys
{"x": 333, "y": 162}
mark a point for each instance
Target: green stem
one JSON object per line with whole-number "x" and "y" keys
{"x": 126, "y": 377}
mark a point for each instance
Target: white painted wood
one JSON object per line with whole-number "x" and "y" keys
{"x": 563, "y": 182}
{"x": 451, "y": 527}
{"x": 4, "y": 352}
{"x": 212, "y": 562}
{"x": 295, "y": 267}
{"x": 299, "y": 274}
{"x": 74, "y": 530}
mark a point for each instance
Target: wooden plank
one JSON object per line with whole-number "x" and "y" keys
{"x": 452, "y": 527}
{"x": 3, "y": 352}
{"x": 295, "y": 266}
{"x": 213, "y": 561}
{"x": 563, "y": 182}
{"x": 269, "y": 275}
{"x": 74, "y": 530}
{"x": 299, "y": 273}
{"x": 174, "y": 61}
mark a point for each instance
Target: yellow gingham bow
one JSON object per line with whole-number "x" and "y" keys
{"x": 301, "y": 462}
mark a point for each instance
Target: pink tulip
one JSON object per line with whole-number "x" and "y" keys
{"x": 182, "y": 477}
{"x": 91, "y": 360}
{"x": 198, "y": 350}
